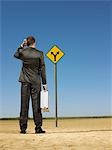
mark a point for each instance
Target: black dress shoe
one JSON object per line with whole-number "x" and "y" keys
{"x": 23, "y": 132}
{"x": 39, "y": 130}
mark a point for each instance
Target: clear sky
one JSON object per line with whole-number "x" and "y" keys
{"x": 82, "y": 30}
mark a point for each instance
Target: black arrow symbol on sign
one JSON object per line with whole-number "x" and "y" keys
{"x": 55, "y": 55}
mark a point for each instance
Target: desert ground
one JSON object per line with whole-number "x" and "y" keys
{"x": 71, "y": 134}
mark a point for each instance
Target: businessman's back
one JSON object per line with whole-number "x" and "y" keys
{"x": 32, "y": 73}
{"x": 33, "y": 65}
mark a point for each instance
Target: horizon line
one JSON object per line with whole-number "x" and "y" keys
{"x": 65, "y": 117}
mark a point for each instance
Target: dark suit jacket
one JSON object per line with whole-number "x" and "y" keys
{"x": 33, "y": 69}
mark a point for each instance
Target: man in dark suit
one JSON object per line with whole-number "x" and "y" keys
{"x": 32, "y": 73}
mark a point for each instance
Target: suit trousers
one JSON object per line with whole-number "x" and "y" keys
{"x": 30, "y": 90}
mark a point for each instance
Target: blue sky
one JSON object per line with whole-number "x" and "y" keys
{"x": 82, "y": 30}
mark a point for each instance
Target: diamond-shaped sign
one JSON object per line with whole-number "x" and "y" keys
{"x": 55, "y": 54}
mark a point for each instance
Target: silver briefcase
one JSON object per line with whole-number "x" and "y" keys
{"x": 44, "y": 101}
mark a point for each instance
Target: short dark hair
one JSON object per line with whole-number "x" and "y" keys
{"x": 30, "y": 40}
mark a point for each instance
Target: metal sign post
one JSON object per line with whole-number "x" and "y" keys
{"x": 55, "y": 54}
{"x": 55, "y": 79}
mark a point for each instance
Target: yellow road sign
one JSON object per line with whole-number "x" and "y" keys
{"x": 55, "y": 54}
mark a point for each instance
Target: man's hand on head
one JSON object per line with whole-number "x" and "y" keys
{"x": 24, "y": 43}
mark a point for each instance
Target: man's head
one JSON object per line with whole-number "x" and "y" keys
{"x": 31, "y": 41}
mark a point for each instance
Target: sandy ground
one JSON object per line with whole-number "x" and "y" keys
{"x": 71, "y": 134}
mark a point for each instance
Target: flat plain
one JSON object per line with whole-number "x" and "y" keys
{"x": 71, "y": 134}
